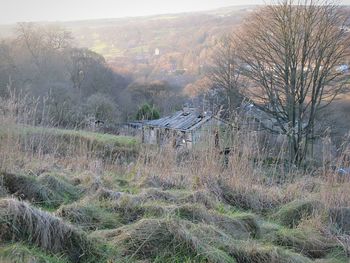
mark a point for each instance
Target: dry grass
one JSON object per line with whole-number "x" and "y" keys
{"x": 88, "y": 215}
{"x": 150, "y": 237}
{"x": 23, "y": 223}
{"x": 28, "y": 188}
{"x": 3, "y": 191}
{"x": 20, "y": 253}
{"x": 291, "y": 214}
{"x": 305, "y": 241}
{"x": 173, "y": 205}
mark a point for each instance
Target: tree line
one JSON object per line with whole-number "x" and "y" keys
{"x": 71, "y": 85}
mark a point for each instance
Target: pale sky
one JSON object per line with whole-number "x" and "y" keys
{"x": 12, "y": 11}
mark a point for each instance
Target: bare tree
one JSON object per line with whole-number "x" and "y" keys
{"x": 225, "y": 75}
{"x": 292, "y": 54}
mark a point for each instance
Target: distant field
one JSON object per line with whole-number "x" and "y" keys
{"x": 64, "y": 142}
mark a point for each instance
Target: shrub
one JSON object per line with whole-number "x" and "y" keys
{"x": 102, "y": 108}
{"x": 147, "y": 112}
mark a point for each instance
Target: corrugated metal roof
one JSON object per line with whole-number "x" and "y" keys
{"x": 181, "y": 120}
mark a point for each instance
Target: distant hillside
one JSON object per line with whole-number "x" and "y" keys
{"x": 158, "y": 44}
{"x": 173, "y": 47}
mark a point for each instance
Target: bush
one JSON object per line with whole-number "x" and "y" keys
{"x": 147, "y": 112}
{"x": 102, "y": 107}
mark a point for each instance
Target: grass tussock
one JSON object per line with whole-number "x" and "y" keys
{"x": 306, "y": 241}
{"x": 21, "y": 253}
{"x": 340, "y": 218}
{"x": 107, "y": 194}
{"x": 255, "y": 253}
{"x": 180, "y": 197}
{"x": 3, "y": 191}
{"x": 29, "y": 188}
{"x": 88, "y": 216}
{"x": 249, "y": 198}
{"x": 291, "y": 214}
{"x": 22, "y": 223}
{"x": 149, "y": 238}
{"x": 240, "y": 227}
{"x": 132, "y": 208}
{"x": 62, "y": 187}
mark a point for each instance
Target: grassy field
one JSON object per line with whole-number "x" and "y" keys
{"x": 62, "y": 142}
{"x": 158, "y": 206}
{"x": 106, "y": 139}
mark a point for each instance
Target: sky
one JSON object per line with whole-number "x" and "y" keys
{"x": 12, "y": 11}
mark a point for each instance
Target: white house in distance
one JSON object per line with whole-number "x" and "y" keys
{"x": 157, "y": 52}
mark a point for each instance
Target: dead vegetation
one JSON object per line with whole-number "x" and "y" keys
{"x": 23, "y": 223}
{"x": 163, "y": 208}
{"x": 150, "y": 237}
{"x": 3, "y": 191}
{"x": 292, "y": 213}
{"x": 46, "y": 190}
{"x": 19, "y": 253}
{"x": 28, "y": 188}
{"x": 162, "y": 226}
{"x": 251, "y": 198}
{"x": 305, "y": 241}
{"x": 88, "y": 216}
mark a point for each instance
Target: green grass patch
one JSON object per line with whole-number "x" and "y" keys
{"x": 21, "y": 253}
{"x": 62, "y": 142}
{"x": 292, "y": 213}
{"x": 306, "y": 241}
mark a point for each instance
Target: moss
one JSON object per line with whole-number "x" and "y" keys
{"x": 292, "y": 213}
